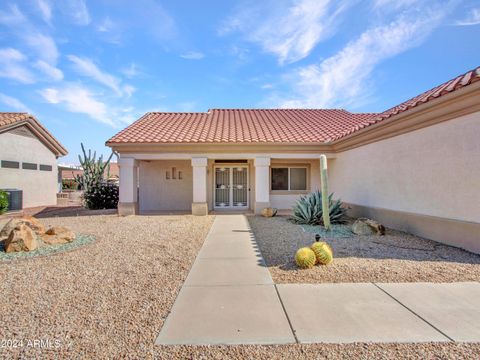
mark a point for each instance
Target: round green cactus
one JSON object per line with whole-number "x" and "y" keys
{"x": 305, "y": 258}
{"x": 323, "y": 252}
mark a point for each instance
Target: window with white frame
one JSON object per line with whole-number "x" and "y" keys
{"x": 289, "y": 178}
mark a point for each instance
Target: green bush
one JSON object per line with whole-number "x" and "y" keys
{"x": 3, "y": 202}
{"x": 308, "y": 210}
{"x": 101, "y": 195}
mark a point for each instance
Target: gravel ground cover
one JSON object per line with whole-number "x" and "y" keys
{"x": 107, "y": 300}
{"x": 395, "y": 257}
{"x": 110, "y": 299}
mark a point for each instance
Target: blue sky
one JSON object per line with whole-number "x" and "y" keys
{"x": 86, "y": 69}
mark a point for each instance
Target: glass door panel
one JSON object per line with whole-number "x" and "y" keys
{"x": 222, "y": 187}
{"x": 239, "y": 186}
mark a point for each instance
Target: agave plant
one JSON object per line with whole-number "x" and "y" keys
{"x": 308, "y": 210}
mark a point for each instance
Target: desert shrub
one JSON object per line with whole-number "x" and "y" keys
{"x": 3, "y": 202}
{"x": 308, "y": 210}
{"x": 101, "y": 195}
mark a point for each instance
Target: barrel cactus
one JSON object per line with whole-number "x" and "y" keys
{"x": 305, "y": 258}
{"x": 323, "y": 252}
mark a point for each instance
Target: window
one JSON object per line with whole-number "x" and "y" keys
{"x": 29, "y": 166}
{"x": 46, "y": 167}
{"x": 10, "y": 164}
{"x": 289, "y": 178}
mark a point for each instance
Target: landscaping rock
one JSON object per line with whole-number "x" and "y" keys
{"x": 269, "y": 212}
{"x": 364, "y": 226}
{"x": 30, "y": 221}
{"x": 21, "y": 238}
{"x": 58, "y": 235}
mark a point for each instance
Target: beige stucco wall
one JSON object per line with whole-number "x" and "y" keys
{"x": 432, "y": 171}
{"x": 287, "y": 200}
{"x": 39, "y": 187}
{"x": 158, "y": 193}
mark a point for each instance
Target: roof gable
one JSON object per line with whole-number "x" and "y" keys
{"x": 10, "y": 121}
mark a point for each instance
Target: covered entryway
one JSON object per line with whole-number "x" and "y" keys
{"x": 231, "y": 187}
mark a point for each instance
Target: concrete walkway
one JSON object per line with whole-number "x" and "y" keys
{"x": 229, "y": 298}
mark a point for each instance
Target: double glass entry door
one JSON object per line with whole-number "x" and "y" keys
{"x": 231, "y": 187}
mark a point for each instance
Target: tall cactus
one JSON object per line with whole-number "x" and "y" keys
{"x": 324, "y": 180}
{"x": 93, "y": 169}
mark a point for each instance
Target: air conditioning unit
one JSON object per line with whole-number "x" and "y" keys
{"x": 15, "y": 199}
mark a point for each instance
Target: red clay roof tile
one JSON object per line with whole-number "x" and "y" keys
{"x": 269, "y": 125}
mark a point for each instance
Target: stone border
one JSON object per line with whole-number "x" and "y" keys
{"x": 57, "y": 250}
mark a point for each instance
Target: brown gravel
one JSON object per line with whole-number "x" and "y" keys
{"x": 110, "y": 299}
{"x": 395, "y": 257}
{"x": 106, "y": 300}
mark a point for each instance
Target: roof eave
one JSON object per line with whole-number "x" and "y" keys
{"x": 460, "y": 102}
{"x": 35, "y": 126}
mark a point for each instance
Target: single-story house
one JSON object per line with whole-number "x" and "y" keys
{"x": 28, "y": 159}
{"x": 415, "y": 167}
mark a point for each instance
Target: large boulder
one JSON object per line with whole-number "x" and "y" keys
{"x": 58, "y": 235}
{"x": 30, "y": 221}
{"x": 364, "y": 226}
{"x": 21, "y": 238}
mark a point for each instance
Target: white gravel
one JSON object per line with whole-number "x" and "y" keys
{"x": 395, "y": 257}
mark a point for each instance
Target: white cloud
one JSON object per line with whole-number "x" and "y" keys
{"x": 45, "y": 8}
{"x": 131, "y": 71}
{"x": 193, "y": 55}
{"x": 290, "y": 32}
{"x": 106, "y": 25}
{"x": 473, "y": 18}
{"x": 52, "y": 72}
{"x": 14, "y": 103}
{"x": 13, "y": 66}
{"x": 44, "y": 46}
{"x": 81, "y": 100}
{"x": 77, "y": 11}
{"x": 344, "y": 79}
{"x": 128, "y": 90}
{"x": 394, "y": 4}
{"x": 88, "y": 68}
{"x": 13, "y": 18}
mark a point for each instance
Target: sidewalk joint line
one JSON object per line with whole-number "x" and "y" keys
{"x": 414, "y": 313}
{"x": 286, "y": 314}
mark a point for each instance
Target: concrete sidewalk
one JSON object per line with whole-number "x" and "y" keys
{"x": 229, "y": 298}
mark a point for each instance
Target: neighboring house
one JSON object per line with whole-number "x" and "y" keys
{"x": 69, "y": 173}
{"x": 28, "y": 159}
{"x": 415, "y": 167}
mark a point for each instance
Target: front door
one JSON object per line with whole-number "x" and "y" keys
{"x": 231, "y": 187}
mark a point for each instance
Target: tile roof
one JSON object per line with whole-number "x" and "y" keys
{"x": 11, "y": 119}
{"x": 240, "y": 126}
{"x": 269, "y": 125}
{"x": 459, "y": 82}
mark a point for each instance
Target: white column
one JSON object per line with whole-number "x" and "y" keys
{"x": 199, "y": 204}
{"x": 262, "y": 183}
{"x": 128, "y": 202}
